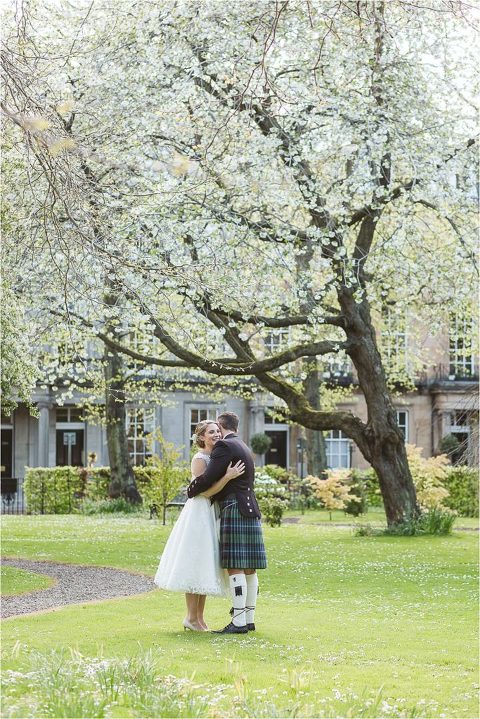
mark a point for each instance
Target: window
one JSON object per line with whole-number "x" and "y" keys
{"x": 402, "y": 421}
{"x": 277, "y": 339}
{"x": 460, "y": 420}
{"x": 395, "y": 341}
{"x": 460, "y": 428}
{"x": 69, "y": 414}
{"x": 199, "y": 414}
{"x": 140, "y": 423}
{"x": 338, "y": 448}
{"x": 461, "y": 356}
{"x": 337, "y": 366}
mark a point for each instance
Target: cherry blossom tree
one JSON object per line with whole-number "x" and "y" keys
{"x": 252, "y": 170}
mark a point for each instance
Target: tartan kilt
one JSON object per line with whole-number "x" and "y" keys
{"x": 241, "y": 539}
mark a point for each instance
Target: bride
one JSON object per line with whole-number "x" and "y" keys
{"x": 190, "y": 561}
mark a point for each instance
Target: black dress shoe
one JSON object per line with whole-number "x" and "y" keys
{"x": 250, "y": 625}
{"x": 231, "y": 629}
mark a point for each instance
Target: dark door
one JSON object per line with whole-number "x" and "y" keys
{"x": 70, "y": 448}
{"x": 6, "y": 460}
{"x": 460, "y": 455}
{"x": 277, "y": 454}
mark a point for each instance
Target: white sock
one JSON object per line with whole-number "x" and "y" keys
{"x": 238, "y": 588}
{"x": 252, "y": 591}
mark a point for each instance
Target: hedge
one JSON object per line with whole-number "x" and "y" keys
{"x": 462, "y": 483}
{"x": 53, "y": 490}
{"x": 59, "y": 490}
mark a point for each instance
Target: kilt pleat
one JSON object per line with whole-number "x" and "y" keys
{"x": 241, "y": 539}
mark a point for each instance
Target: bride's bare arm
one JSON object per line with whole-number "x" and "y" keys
{"x": 233, "y": 470}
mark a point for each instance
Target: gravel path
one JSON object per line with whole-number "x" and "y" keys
{"x": 75, "y": 584}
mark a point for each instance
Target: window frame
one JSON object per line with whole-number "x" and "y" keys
{"x": 332, "y": 443}
{"x": 461, "y": 360}
{"x": 143, "y": 453}
{"x": 404, "y": 427}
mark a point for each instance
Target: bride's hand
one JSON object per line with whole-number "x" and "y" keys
{"x": 234, "y": 470}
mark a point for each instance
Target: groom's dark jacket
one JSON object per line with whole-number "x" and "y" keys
{"x": 229, "y": 449}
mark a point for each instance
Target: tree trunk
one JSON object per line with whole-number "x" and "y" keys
{"x": 122, "y": 482}
{"x": 316, "y": 451}
{"x": 383, "y": 443}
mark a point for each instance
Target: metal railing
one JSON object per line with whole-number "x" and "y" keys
{"x": 13, "y": 498}
{"x": 447, "y": 373}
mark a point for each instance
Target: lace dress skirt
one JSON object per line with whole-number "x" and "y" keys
{"x": 191, "y": 559}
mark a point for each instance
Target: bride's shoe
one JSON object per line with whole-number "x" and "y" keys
{"x": 192, "y": 627}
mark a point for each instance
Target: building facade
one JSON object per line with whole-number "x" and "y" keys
{"x": 443, "y": 402}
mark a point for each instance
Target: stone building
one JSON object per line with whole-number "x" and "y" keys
{"x": 443, "y": 401}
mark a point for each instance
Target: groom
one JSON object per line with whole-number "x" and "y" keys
{"x": 241, "y": 542}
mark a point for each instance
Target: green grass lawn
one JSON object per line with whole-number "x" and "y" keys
{"x": 347, "y": 626}
{"x": 19, "y": 581}
{"x": 375, "y": 517}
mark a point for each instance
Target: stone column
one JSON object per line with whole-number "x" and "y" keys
{"x": 43, "y": 433}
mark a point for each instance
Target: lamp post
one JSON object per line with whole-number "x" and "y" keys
{"x": 300, "y": 453}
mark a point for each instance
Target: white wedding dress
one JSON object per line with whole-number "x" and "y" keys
{"x": 191, "y": 559}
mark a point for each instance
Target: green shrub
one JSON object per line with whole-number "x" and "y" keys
{"x": 53, "y": 490}
{"x": 372, "y": 487}
{"x": 260, "y": 443}
{"x": 288, "y": 485}
{"x": 272, "y": 509}
{"x": 462, "y": 484}
{"x": 366, "y": 530}
{"x": 437, "y": 521}
{"x": 107, "y": 506}
{"x": 428, "y": 476}
{"x": 279, "y": 473}
{"x": 432, "y": 521}
{"x": 163, "y": 476}
{"x": 300, "y": 495}
{"x": 358, "y": 505}
{"x": 449, "y": 445}
{"x": 267, "y": 486}
{"x": 97, "y": 481}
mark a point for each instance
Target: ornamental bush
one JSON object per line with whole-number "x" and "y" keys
{"x": 372, "y": 487}
{"x": 272, "y": 509}
{"x": 279, "y": 473}
{"x": 462, "y": 484}
{"x": 333, "y": 492}
{"x": 429, "y": 477}
{"x": 358, "y": 503}
{"x": 260, "y": 443}
{"x": 433, "y": 521}
{"x": 297, "y": 492}
{"x": 267, "y": 486}
{"x": 163, "y": 475}
{"x": 53, "y": 490}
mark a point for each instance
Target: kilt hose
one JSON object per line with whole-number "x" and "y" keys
{"x": 241, "y": 539}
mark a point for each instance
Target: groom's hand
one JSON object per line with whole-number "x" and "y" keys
{"x": 219, "y": 461}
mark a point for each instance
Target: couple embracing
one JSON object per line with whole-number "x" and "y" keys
{"x": 196, "y": 560}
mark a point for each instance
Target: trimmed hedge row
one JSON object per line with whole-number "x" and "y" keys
{"x": 53, "y": 490}
{"x": 60, "y": 490}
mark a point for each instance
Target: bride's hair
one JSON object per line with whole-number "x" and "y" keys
{"x": 200, "y": 430}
